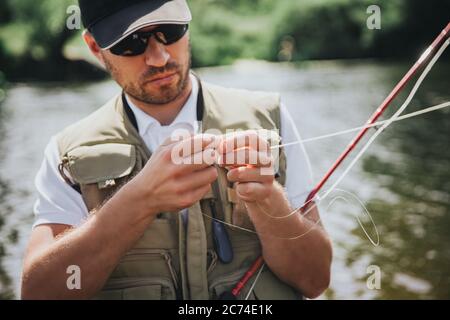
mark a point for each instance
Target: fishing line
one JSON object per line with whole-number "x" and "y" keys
{"x": 315, "y": 223}
{"x": 376, "y": 124}
{"x": 385, "y": 123}
{"x": 375, "y": 243}
{"x": 392, "y": 119}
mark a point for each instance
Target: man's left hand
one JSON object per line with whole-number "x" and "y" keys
{"x": 249, "y": 160}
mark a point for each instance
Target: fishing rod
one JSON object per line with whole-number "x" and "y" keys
{"x": 259, "y": 262}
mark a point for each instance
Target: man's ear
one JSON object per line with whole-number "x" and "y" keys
{"x": 93, "y": 46}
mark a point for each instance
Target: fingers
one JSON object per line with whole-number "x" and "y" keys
{"x": 192, "y": 145}
{"x": 242, "y": 148}
{"x": 195, "y": 162}
{"x": 194, "y": 153}
{"x": 246, "y": 156}
{"x": 252, "y": 191}
{"x": 196, "y": 180}
{"x": 249, "y": 138}
{"x": 250, "y": 174}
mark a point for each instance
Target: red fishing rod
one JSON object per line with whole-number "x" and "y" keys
{"x": 380, "y": 110}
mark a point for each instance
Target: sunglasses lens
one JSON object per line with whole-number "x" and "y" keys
{"x": 170, "y": 33}
{"x": 130, "y": 46}
{"x": 136, "y": 43}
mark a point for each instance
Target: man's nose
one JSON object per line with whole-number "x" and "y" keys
{"x": 156, "y": 54}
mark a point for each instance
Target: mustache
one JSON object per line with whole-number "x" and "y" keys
{"x": 154, "y": 71}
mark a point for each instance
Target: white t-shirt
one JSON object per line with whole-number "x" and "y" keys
{"x": 59, "y": 203}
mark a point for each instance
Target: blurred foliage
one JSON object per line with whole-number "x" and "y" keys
{"x": 35, "y": 30}
{"x": 33, "y": 36}
{"x": 224, "y": 30}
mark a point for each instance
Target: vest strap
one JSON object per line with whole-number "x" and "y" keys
{"x": 232, "y": 196}
{"x": 196, "y": 255}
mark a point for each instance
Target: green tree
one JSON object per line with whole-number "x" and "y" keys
{"x": 33, "y": 37}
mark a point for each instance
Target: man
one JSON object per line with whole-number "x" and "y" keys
{"x": 138, "y": 224}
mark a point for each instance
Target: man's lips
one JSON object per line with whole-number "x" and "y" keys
{"x": 162, "y": 78}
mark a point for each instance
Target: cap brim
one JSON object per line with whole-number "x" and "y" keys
{"x": 111, "y": 30}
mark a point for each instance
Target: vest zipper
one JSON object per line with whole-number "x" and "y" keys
{"x": 168, "y": 259}
{"x": 213, "y": 263}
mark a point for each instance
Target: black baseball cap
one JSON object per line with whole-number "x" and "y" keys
{"x": 110, "y": 21}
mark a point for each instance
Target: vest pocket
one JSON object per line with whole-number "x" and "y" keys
{"x": 138, "y": 289}
{"x": 100, "y": 170}
{"x": 101, "y": 163}
{"x": 149, "y": 262}
{"x": 267, "y": 287}
{"x": 225, "y": 283}
{"x": 144, "y": 274}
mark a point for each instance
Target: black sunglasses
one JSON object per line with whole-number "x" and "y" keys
{"x": 136, "y": 43}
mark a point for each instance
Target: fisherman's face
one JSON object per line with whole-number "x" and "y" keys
{"x": 158, "y": 76}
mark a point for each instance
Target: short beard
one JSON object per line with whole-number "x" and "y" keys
{"x": 166, "y": 94}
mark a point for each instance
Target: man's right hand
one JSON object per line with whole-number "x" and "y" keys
{"x": 161, "y": 186}
{"x": 166, "y": 185}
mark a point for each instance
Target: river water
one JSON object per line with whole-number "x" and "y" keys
{"x": 402, "y": 181}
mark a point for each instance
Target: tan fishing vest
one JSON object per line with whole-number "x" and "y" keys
{"x": 172, "y": 261}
